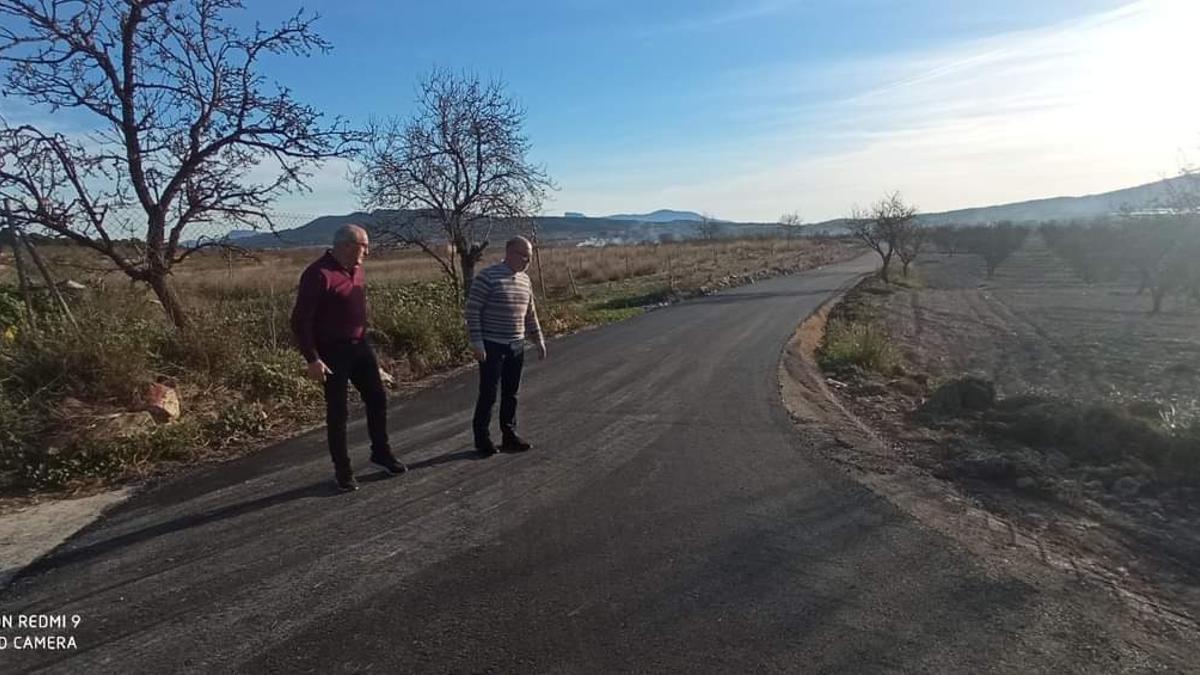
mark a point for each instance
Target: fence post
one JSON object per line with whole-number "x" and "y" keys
{"x": 537, "y": 260}
{"x": 571, "y": 278}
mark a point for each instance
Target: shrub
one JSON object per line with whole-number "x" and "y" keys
{"x": 273, "y": 376}
{"x": 209, "y": 347}
{"x": 237, "y": 421}
{"x": 422, "y": 321}
{"x": 18, "y": 424}
{"x": 110, "y": 360}
{"x": 106, "y": 459}
{"x": 1101, "y": 435}
{"x": 861, "y": 344}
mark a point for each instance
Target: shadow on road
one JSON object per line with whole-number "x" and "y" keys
{"x": 71, "y": 557}
{"x": 458, "y": 455}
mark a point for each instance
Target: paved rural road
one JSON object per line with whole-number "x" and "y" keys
{"x": 669, "y": 519}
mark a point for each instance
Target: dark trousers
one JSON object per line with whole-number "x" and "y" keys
{"x": 356, "y": 363}
{"x": 502, "y": 368}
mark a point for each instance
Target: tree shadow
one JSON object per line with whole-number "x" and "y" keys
{"x": 65, "y": 558}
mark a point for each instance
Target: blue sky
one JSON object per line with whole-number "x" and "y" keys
{"x": 751, "y": 109}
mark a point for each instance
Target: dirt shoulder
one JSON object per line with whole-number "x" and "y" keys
{"x": 1072, "y": 526}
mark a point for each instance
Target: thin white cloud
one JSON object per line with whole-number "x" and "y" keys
{"x": 1103, "y": 102}
{"x": 724, "y": 17}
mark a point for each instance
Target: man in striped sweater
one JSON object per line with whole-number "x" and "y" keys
{"x": 500, "y": 318}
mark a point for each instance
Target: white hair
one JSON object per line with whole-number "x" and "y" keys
{"x": 347, "y": 233}
{"x": 517, "y": 241}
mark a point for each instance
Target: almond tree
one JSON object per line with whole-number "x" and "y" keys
{"x": 790, "y": 223}
{"x": 177, "y": 112}
{"x": 887, "y": 227}
{"x": 708, "y": 227}
{"x": 994, "y": 243}
{"x": 451, "y": 172}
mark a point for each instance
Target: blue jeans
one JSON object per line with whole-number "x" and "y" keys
{"x": 501, "y": 368}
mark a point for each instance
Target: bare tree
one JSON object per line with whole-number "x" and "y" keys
{"x": 910, "y": 239}
{"x": 994, "y": 243}
{"x": 948, "y": 239}
{"x": 1163, "y": 249}
{"x": 885, "y": 228}
{"x": 1093, "y": 249}
{"x": 865, "y": 229}
{"x": 181, "y": 117}
{"x": 790, "y": 223}
{"x": 452, "y": 171}
{"x": 708, "y": 227}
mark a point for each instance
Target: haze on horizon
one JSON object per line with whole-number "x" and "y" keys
{"x": 747, "y": 110}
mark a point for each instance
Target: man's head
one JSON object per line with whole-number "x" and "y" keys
{"x": 350, "y": 245}
{"x": 517, "y": 252}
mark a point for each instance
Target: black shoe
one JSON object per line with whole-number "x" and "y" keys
{"x": 391, "y": 465}
{"x": 346, "y": 482}
{"x": 515, "y": 443}
{"x": 486, "y": 448}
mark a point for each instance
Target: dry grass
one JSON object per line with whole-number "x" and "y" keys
{"x": 682, "y": 264}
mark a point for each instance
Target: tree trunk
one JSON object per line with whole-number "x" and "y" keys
{"x": 467, "y": 265}
{"x": 883, "y": 271}
{"x": 1158, "y": 294}
{"x": 169, "y": 300}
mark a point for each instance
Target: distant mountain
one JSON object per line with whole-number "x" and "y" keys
{"x": 668, "y": 224}
{"x": 240, "y": 236}
{"x": 318, "y": 232}
{"x": 1149, "y": 196}
{"x": 659, "y": 216}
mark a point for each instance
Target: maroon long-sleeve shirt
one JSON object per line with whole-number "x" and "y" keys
{"x": 331, "y": 306}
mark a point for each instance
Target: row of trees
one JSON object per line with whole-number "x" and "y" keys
{"x": 180, "y": 115}
{"x": 993, "y": 243}
{"x": 1161, "y": 248}
{"x": 890, "y": 227}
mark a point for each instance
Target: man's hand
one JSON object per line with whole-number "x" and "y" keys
{"x": 479, "y": 352}
{"x": 317, "y": 370}
{"x": 541, "y": 347}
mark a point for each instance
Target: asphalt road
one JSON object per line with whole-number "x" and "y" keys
{"x": 668, "y": 519}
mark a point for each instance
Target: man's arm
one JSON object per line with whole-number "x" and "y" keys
{"x": 304, "y": 313}
{"x": 533, "y": 329}
{"x": 481, "y": 289}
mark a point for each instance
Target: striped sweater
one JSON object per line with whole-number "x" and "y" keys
{"x": 500, "y": 307}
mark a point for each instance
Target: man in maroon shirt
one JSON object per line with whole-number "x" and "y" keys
{"x": 330, "y": 324}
